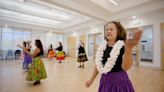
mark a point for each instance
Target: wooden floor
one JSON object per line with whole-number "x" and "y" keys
{"x": 66, "y": 77}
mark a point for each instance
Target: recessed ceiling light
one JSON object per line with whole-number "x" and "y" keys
{"x": 21, "y": 0}
{"x": 114, "y": 2}
{"x": 74, "y": 34}
{"x": 134, "y": 17}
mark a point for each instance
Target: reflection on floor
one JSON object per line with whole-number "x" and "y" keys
{"x": 66, "y": 77}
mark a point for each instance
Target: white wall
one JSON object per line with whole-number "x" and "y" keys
{"x": 155, "y": 20}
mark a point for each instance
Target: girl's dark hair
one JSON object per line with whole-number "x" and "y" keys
{"x": 24, "y": 44}
{"x": 121, "y": 33}
{"x": 51, "y": 46}
{"x": 60, "y": 43}
{"x": 82, "y": 42}
{"x": 39, "y": 45}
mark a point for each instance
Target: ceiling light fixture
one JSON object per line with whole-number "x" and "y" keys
{"x": 114, "y": 2}
{"x": 55, "y": 12}
{"x": 134, "y": 17}
{"x": 21, "y": 0}
{"x": 60, "y": 14}
{"x": 74, "y": 34}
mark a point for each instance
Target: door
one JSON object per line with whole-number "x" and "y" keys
{"x": 162, "y": 46}
{"x": 71, "y": 43}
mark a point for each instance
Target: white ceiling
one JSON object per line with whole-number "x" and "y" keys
{"x": 122, "y": 4}
{"x": 68, "y": 15}
{"x": 39, "y": 13}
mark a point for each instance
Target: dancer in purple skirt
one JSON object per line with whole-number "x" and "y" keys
{"x": 114, "y": 58}
{"x": 27, "y": 58}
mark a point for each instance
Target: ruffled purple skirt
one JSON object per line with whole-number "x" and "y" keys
{"x": 27, "y": 61}
{"x": 115, "y": 82}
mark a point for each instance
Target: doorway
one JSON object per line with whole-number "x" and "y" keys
{"x": 71, "y": 46}
{"x": 162, "y": 46}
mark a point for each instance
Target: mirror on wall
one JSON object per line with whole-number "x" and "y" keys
{"x": 144, "y": 51}
{"x": 90, "y": 45}
{"x": 94, "y": 41}
{"x": 146, "y": 46}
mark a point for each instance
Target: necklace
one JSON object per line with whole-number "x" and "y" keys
{"x": 111, "y": 60}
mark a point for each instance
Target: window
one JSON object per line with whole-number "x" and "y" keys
{"x": 60, "y": 38}
{"x": 11, "y": 37}
{"x": 7, "y": 36}
{"x": 51, "y": 38}
{"x": 17, "y": 38}
{"x": 27, "y": 36}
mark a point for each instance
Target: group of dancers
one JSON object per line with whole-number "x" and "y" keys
{"x": 82, "y": 57}
{"x": 35, "y": 68}
{"x": 60, "y": 55}
{"x": 32, "y": 62}
{"x": 113, "y": 59}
